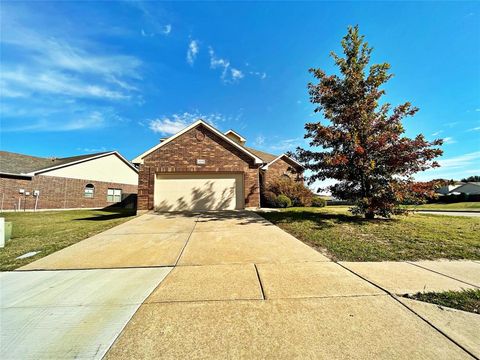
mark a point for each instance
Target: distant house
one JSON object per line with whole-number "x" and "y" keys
{"x": 86, "y": 181}
{"x": 469, "y": 188}
{"x": 444, "y": 190}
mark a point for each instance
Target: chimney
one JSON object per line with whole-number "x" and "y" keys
{"x": 232, "y": 135}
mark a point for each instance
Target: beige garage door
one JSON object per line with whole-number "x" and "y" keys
{"x": 199, "y": 192}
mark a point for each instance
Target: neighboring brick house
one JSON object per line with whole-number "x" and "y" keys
{"x": 86, "y": 181}
{"x": 201, "y": 168}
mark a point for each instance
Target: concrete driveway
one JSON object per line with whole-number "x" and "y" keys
{"x": 208, "y": 285}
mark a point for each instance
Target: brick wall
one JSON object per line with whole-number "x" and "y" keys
{"x": 57, "y": 192}
{"x": 180, "y": 156}
{"x": 279, "y": 169}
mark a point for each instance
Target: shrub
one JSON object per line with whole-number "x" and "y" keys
{"x": 284, "y": 201}
{"x": 299, "y": 194}
{"x": 318, "y": 201}
{"x": 269, "y": 199}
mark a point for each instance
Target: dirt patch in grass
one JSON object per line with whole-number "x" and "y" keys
{"x": 345, "y": 237}
{"x": 47, "y": 232}
{"x": 466, "y": 300}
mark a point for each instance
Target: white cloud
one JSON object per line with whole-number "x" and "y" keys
{"x": 22, "y": 82}
{"x": 151, "y": 16}
{"x": 145, "y": 34}
{"x": 285, "y": 145}
{"x": 193, "y": 49}
{"x": 436, "y": 133}
{"x": 460, "y": 161}
{"x": 475, "y": 129}
{"x": 229, "y": 74}
{"x": 259, "y": 140}
{"x": 93, "y": 150}
{"x": 47, "y": 59}
{"x": 259, "y": 74}
{"x": 478, "y": 109}
{"x": 453, "y": 167}
{"x": 449, "y": 140}
{"x": 167, "y": 29}
{"x": 92, "y": 120}
{"x": 218, "y": 63}
{"x": 236, "y": 74}
{"x": 169, "y": 125}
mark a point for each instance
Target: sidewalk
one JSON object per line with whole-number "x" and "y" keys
{"x": 232, "y": 286}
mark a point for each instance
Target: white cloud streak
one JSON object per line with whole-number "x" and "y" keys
{"x": 229, "y": 74}
{"x": 449, "y": 140}
{"x": 259, "y": 140}
{"x": 285, "y": 145}
{"x": 25, "y": 83}
{"x": 236, "y": 74}
{"x": 193, "y": 49}
{"x": 87, "y": 121}
{"x": 47, "y": 60}
{"x": 452, "y": 168}
{"x": 172, "y": 124}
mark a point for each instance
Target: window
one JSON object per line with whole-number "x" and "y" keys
{"x": 88, "y": 191}
{"x": 114, "y": 195}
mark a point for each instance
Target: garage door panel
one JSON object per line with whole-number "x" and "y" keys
{"x": 199, "y": 192}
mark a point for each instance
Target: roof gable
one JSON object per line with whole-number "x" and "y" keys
{"x": 284, "y": 156}
{"x": 20, "y": 164}
{"x": 139, "y": 159}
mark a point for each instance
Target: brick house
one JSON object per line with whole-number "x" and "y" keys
{"x": 86, "y": 181}
{"x": 201, "y": 168}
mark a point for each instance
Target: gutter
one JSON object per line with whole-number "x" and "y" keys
{"x": 6, "y": 174}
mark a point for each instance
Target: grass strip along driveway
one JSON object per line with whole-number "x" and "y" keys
{"x": 466, "y": 300}
{"x": 51, "y": 231}
{"x": 343, "y": 237}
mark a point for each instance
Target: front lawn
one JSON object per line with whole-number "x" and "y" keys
{"x": 51, "y": 231}
{"x": 466, "y": 300}
{"x": 341, "y": 236}
{"x": 461, "y": 206}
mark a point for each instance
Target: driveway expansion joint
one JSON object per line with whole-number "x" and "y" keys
{"x": 186, "y": 242}
{"x": 439, "y": 273}
{"x": 395, "y": 297}
{"x": 260, "y": 282}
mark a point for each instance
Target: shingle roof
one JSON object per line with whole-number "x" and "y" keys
{"x": 13, "y": 163}
{"x": 266, "y": 157}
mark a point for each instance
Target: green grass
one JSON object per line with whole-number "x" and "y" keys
{"x": 51, "y": 231}
{"x": 466, "y": 300}
{"x": 344, "y": 237}
{"x": 461, "y": 206}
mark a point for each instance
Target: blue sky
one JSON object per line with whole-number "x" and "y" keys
{"x": 79, "y": 77}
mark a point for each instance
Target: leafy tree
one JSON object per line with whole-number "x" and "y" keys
{"x": 473, "y": 178}
{"x": 417, "y": 193}
{"x": 363, "y": 146}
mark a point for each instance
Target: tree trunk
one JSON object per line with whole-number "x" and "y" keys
{"x": 369, "y": 215}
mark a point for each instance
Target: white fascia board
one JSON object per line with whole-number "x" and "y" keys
{"x": 139, "y": 159}
{"x": 33, "y": 173}
{"x": 265, "y": 167}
